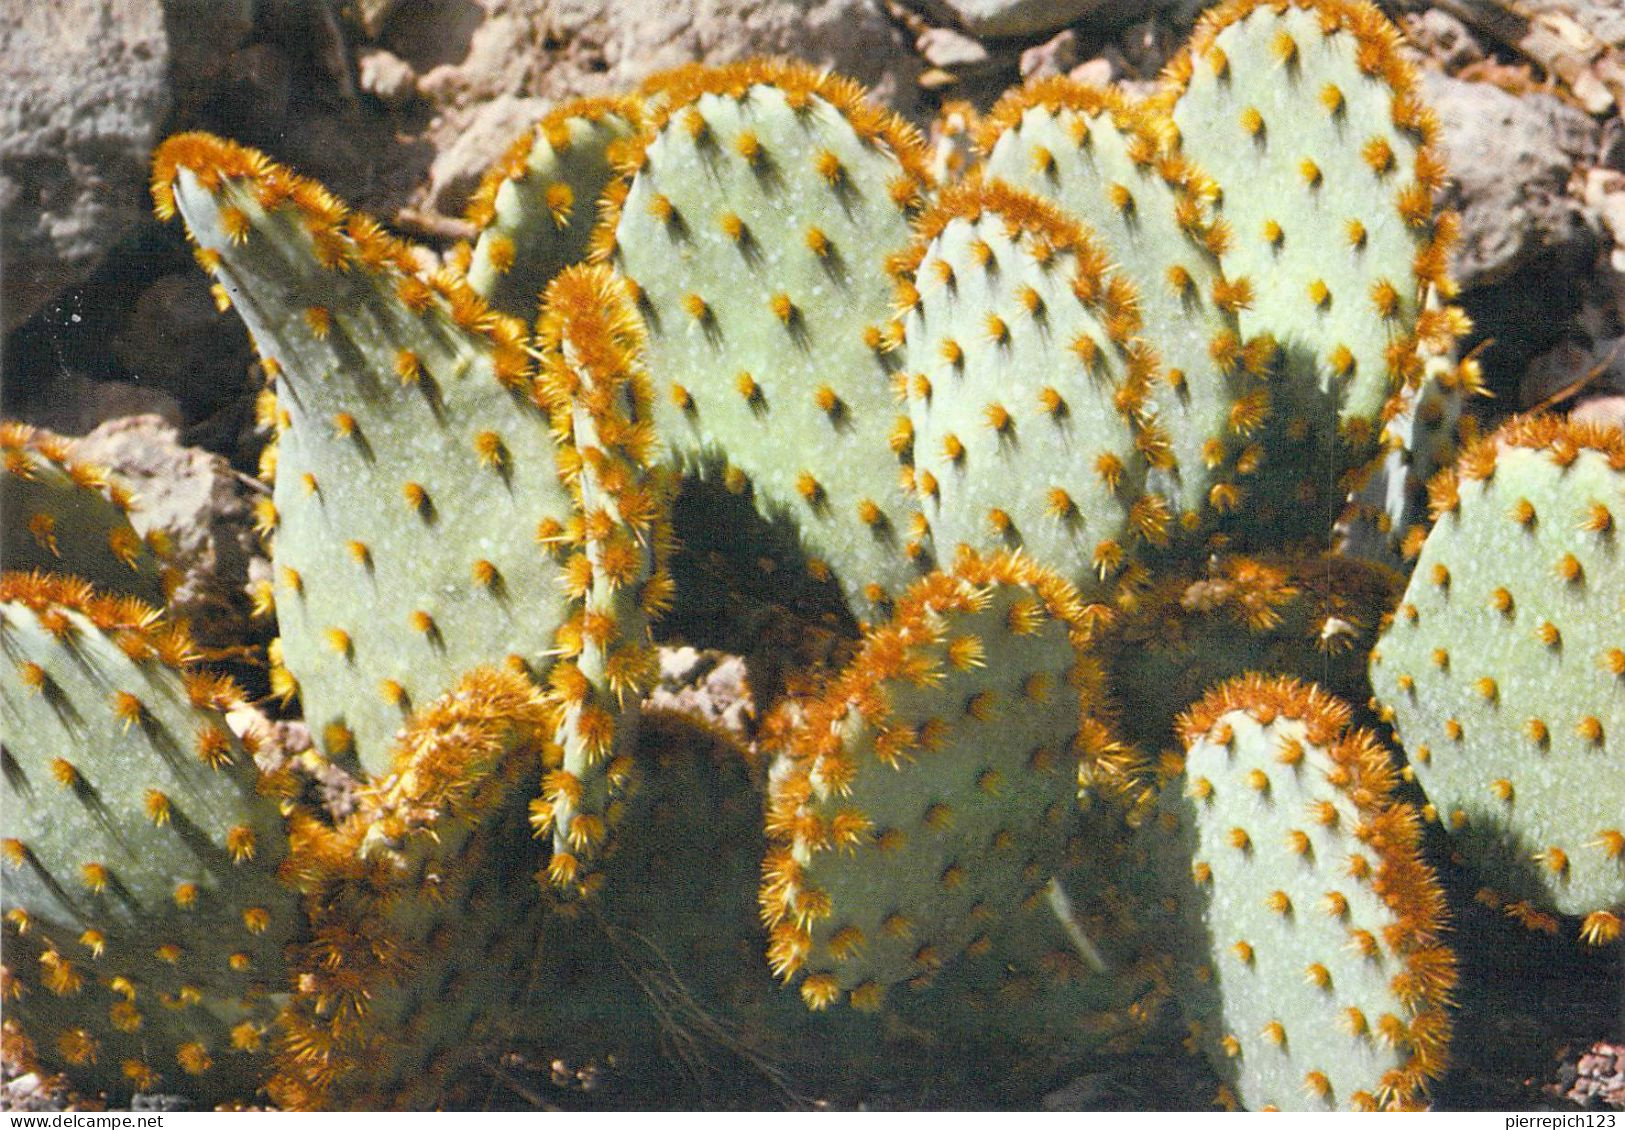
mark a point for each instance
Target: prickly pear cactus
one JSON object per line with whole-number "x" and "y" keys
{"x": 754, "y": 224}
{"x": 1101, "y": 158}
{"x": 425, "y": 920}
{"x": 419, "y": 516}
{"x": 65, "y": 516}
{"x": 1504, "y": 668}
{"x": 144, "y": 917}
{"x": 1313, "y": 99}
{"x": 537, "y": 206}
{"x": 1309, "y": 953}
{"x": 925, "y": 794}
{"x": 1026, "y": 387}
{"x": 1311, "y": 617}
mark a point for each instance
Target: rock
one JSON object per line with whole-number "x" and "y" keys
{"x": 387, "y": 77}
{"x": 1444, "y": 37}
{"x": 1004, "y": 19}
{"x": 1509, "y": 159}
{"x": 1095, "y": 72}
{"x": 86, "y": 92}
{"x": 203, "y": 34}
{"x": 457, "y": 170}
{"x": 952, "y": 50}
{"x": 177, "y": 340}
{"x": 255, "y": 91}
{"x": 707, "y": 685}
{"x": 1054, "y": 56}
{"x": 1602, "y": 410}
{"x": 73, "y": 403}
{"x": 199, "y": 504}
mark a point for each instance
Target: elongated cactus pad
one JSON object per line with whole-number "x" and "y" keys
{"x": 1314, "y": 618}
{"x": 1313, "y": 99}
{"x": 1026, "y": 387}
{"x": 537, "y": 206}
{"x": 424, "y": 918}
{"x": 419, "y": 513}
{"x": 598, "y": 393}
{"x": 66, "y": 516}
{"x": 926, "y": 793}
{"x": 1504, "y": 669}
{"x": 144, "y": 918}
{"x": 1309, "y": 957}
{"x": 755, "y": 224}
{"x": 1100, "y": 158}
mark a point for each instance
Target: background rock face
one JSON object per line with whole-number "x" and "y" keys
{"x": 85, "y": 96}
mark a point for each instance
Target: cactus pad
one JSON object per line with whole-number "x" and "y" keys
{"x": 1026, "y": 387}
{"x": 1504, "y": 669}
{"x": 755, "y": 223}
{"x": 1313, "y": 98}
{"x": 1101, "y": 158}
{"x": 144, "y": 919}
{"x": 418, "y": 506}
{"x": 65, "y": 516}
{"x": 925, "y": 794}
{"x": 1321, "y": 980}
{"x": 537, "y": 206}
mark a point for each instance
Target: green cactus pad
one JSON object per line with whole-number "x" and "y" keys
{"x": 755, "y": 224}
{"x": 1026, "y": 387}
{"x": 1309, "y": 958}
{"x": 418, "y": 506}
{"x": 1504, "y": 669}
{"x": 1100, "y": 158}
{"x": 925, "y": 794}
{"x": 64, "y": 516}
{"x": 424, "y": 919}
{"x": 1312, "y": 617}
{"x": 598, "y": 393}
{"x": 144, "y": 919}
{"x": 536, "y": 208}
{"x": 1313, "y": 99}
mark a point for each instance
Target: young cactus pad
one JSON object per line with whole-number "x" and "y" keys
{"x": 1101, "y": 158}
{"x": 1504, "y": 669}
{"x": 419, "y": 514}
{"x": 1311, "y": 123}
{"x": 537, "y": 206}
{"x": 144, "y": 920}
{"x": 1025, "y": 385}
{"x": 755, "y": 224}
{"x": 425, "y": 921}
{"x": 65, "y": 516}
{"x": 1311, "y": 968}
{"x": 926, "y": 793}
{"x": 598, "y": 393}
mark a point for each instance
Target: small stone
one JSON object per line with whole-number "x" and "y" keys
{"x": 387, "y": 77}
{"x": 951, "y": 50}
{"x": 1052, "y": 57}
{"x": 1095, "y": 72}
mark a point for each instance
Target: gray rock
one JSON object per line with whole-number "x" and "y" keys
{"x": 200, "y": 505}
{"x": 1444, "y": 37}
{"x": 1510, "y": 158}
{"x": 951, "y": 50}
{"x": 1005, "y": 19}
{"x": 387, "y": 77}
{"x": 1055, "y": 56}
{"x": 86, "y": 92}
{"x": 175, "y": 339}
{"x": 457, "y": 169}
{"x": 202, "y": 36}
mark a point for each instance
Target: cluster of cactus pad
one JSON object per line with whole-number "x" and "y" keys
{"x": 1055, "y": 450}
